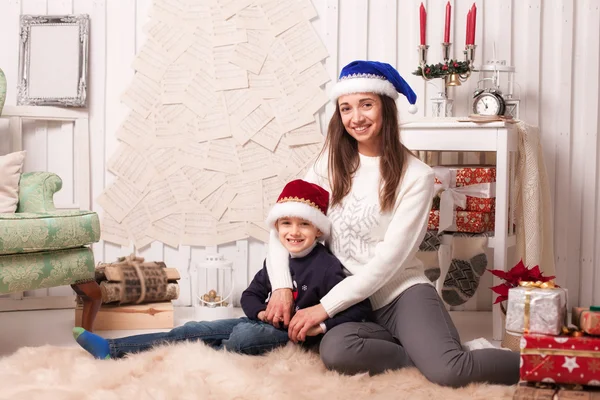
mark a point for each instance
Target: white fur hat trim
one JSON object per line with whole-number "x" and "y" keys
{"x": 363, "y": 85}
{"x": 300, "y": 210}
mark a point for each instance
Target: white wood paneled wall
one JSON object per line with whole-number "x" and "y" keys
{"x": 554, "y": 45}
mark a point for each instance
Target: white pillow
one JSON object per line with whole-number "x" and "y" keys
{"x": 10, "y": 173}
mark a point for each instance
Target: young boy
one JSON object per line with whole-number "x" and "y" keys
{"x": 299, "y": 216}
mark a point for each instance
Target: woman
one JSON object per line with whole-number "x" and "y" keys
{"x": 381, "y": 197}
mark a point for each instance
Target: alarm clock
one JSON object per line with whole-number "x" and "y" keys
{"x": 488, "y": 102}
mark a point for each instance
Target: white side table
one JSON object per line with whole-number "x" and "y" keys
{"x": 16, "y": 115}
{"x": 500, "y": 137}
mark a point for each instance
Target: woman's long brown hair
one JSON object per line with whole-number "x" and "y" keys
{"x": 344, "y": 159}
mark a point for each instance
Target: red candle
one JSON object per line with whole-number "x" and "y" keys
{"x": 447, "y": 26}
{"x": 423, "y": 18}
{"x": 473, "y": 21}
{"x": 468, "y": 34}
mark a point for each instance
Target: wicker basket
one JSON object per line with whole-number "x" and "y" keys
{"x": 509, "y": 341}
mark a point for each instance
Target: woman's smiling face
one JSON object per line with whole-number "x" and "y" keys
{"x": 362, "y": 117}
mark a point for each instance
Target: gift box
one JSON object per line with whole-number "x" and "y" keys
{"x": 536, "y": 310}
{"x": 463, "y": 221}
{"x": 463, "y": 188}
{"x": 560, "y": 359}
{"x": 586, "y": 320}
{"x": 472, "y": 204}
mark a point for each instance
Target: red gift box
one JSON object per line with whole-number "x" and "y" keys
{"x": 560, "y": 359}
{"x": 463, "y": 188}
{"x": 473, "y": 204}
{"x": 586, "y": 320}
{"x": 464, "y": 221}
{"x": 472, "y": 175}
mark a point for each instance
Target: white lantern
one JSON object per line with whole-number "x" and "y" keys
{"x": 214, "y": 289}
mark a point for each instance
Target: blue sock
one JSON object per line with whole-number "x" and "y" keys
{"x": 94, "y": 344}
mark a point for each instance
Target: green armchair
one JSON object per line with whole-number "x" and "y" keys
{"x": 43, "y": 247}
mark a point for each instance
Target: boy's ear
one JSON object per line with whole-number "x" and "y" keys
{"x": 319, "y": 233}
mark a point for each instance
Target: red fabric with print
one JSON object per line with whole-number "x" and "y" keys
{"x": 560, "y": 359}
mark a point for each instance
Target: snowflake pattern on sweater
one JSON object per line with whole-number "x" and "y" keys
{"x": 352, "y": 225}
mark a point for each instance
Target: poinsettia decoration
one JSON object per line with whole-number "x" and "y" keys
{"x": 518, "y": 273}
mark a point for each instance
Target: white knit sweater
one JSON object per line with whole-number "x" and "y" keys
{"x": 378, "y": 249}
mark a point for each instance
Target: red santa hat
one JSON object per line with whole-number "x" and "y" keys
{"x": 303, "y": 200}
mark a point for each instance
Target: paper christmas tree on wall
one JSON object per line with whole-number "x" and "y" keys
{"x": 222, "y": 115}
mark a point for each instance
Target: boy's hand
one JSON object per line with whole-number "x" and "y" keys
{"x": 261, "y": 316}
{"x": 304, "y": 320}
{"x": 314, "y": 331}
{"x": 279, "y": 308}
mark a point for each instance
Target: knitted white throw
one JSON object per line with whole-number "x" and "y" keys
{"x": 535, "y": 242}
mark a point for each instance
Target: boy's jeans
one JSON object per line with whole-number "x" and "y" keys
{"x": 240, "y": 335}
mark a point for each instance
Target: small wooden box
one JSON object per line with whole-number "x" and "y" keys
{"x": 131, "y": 316}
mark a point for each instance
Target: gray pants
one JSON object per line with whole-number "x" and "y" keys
{"x": 415, "y": 330}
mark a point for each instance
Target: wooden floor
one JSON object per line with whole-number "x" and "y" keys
{"x": 53, "y": 327}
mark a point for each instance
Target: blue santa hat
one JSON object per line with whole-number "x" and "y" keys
{"x": 373, "y": 77}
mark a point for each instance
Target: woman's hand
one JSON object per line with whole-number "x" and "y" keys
{"x": 304, "y": 320}
{"x": 280, "y": 306}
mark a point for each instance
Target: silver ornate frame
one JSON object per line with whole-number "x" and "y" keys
{"x": 27, "y": 21}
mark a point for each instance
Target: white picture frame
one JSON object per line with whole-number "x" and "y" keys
{"x": 53, "y": 60}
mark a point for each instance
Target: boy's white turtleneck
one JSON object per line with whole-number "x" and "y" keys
{"x": 304, "y": 252}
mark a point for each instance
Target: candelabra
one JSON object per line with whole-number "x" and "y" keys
{"x": 442, "y": 106}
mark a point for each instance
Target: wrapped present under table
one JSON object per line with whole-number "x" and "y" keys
{"x": 463, "y": 221}
{"x": 536, "y": 310}
{"x": 586, "y": 320}
{"x": 560, "y": 359}
{"x": 472, "y": 204}
{"x": 463, "y": 189}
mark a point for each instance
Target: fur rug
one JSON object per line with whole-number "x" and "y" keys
{"x": 194, "y": 371}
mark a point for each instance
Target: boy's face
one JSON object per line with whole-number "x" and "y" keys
{"x": 296, "y": 234}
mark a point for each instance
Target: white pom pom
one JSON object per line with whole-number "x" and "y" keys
{"x": 413, "y": 109}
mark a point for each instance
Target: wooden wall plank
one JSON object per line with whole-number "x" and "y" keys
{"x": 35, "y": 132}
{"x": 353, "y": 31}
{"x": 60, "y": 135}
{"x": 9, "y": 42}
{"x": 97, "y": 83}
{"x": 549, "y": 94}
{"x": 60, "y": 138}
{"x": 407, "y": 59}
{"x": 382, "y": 38}
{"x": 143, "y": 8}
{"x": 532, "y": 52}
{"x": 563, "y": 209}
{"x": 578, "y": 148}
{"x": 590, "y": 279}
{"x": 120, "y": 52}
